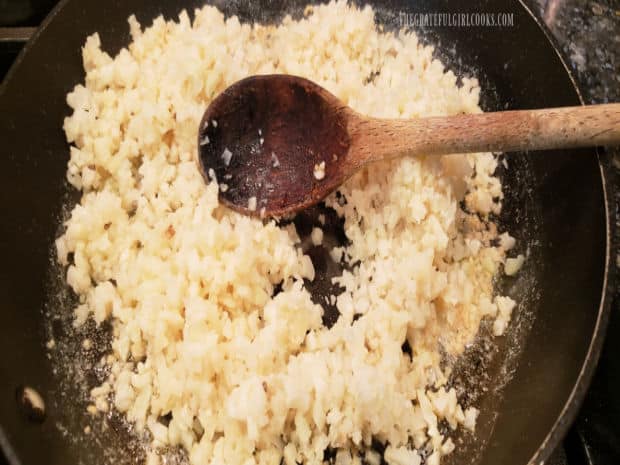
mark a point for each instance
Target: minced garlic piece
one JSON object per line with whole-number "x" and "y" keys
{"x": 317, "y": 236}
{"x": 513, "y": 265}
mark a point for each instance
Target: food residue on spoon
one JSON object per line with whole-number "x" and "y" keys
{"x": 226, "y": 156}
{"x": 319, "y": 171}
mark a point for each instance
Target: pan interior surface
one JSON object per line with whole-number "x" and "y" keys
{"x": 554, "y": 206}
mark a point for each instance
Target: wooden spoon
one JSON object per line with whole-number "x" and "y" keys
{"x": 277, "y": 143}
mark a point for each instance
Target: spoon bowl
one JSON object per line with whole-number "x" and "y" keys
{"x": 262, "y": 139}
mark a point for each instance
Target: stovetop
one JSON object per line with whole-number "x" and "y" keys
{"x": 588, "y": 33}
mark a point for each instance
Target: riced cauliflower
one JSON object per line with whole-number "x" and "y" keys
{"x": 242, "y": 374}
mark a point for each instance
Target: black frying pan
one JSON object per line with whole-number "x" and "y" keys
{"x": 528, "y": 388}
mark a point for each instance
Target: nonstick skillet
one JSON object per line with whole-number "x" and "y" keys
{"x": 529, "y": 388}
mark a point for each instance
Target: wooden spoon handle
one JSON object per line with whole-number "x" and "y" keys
{"x": 489, "y": 132}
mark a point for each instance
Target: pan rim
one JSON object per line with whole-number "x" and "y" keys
{"x": 569, "y": 411}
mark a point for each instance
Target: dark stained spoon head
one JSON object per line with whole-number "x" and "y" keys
{"x": 275, "y": 144}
